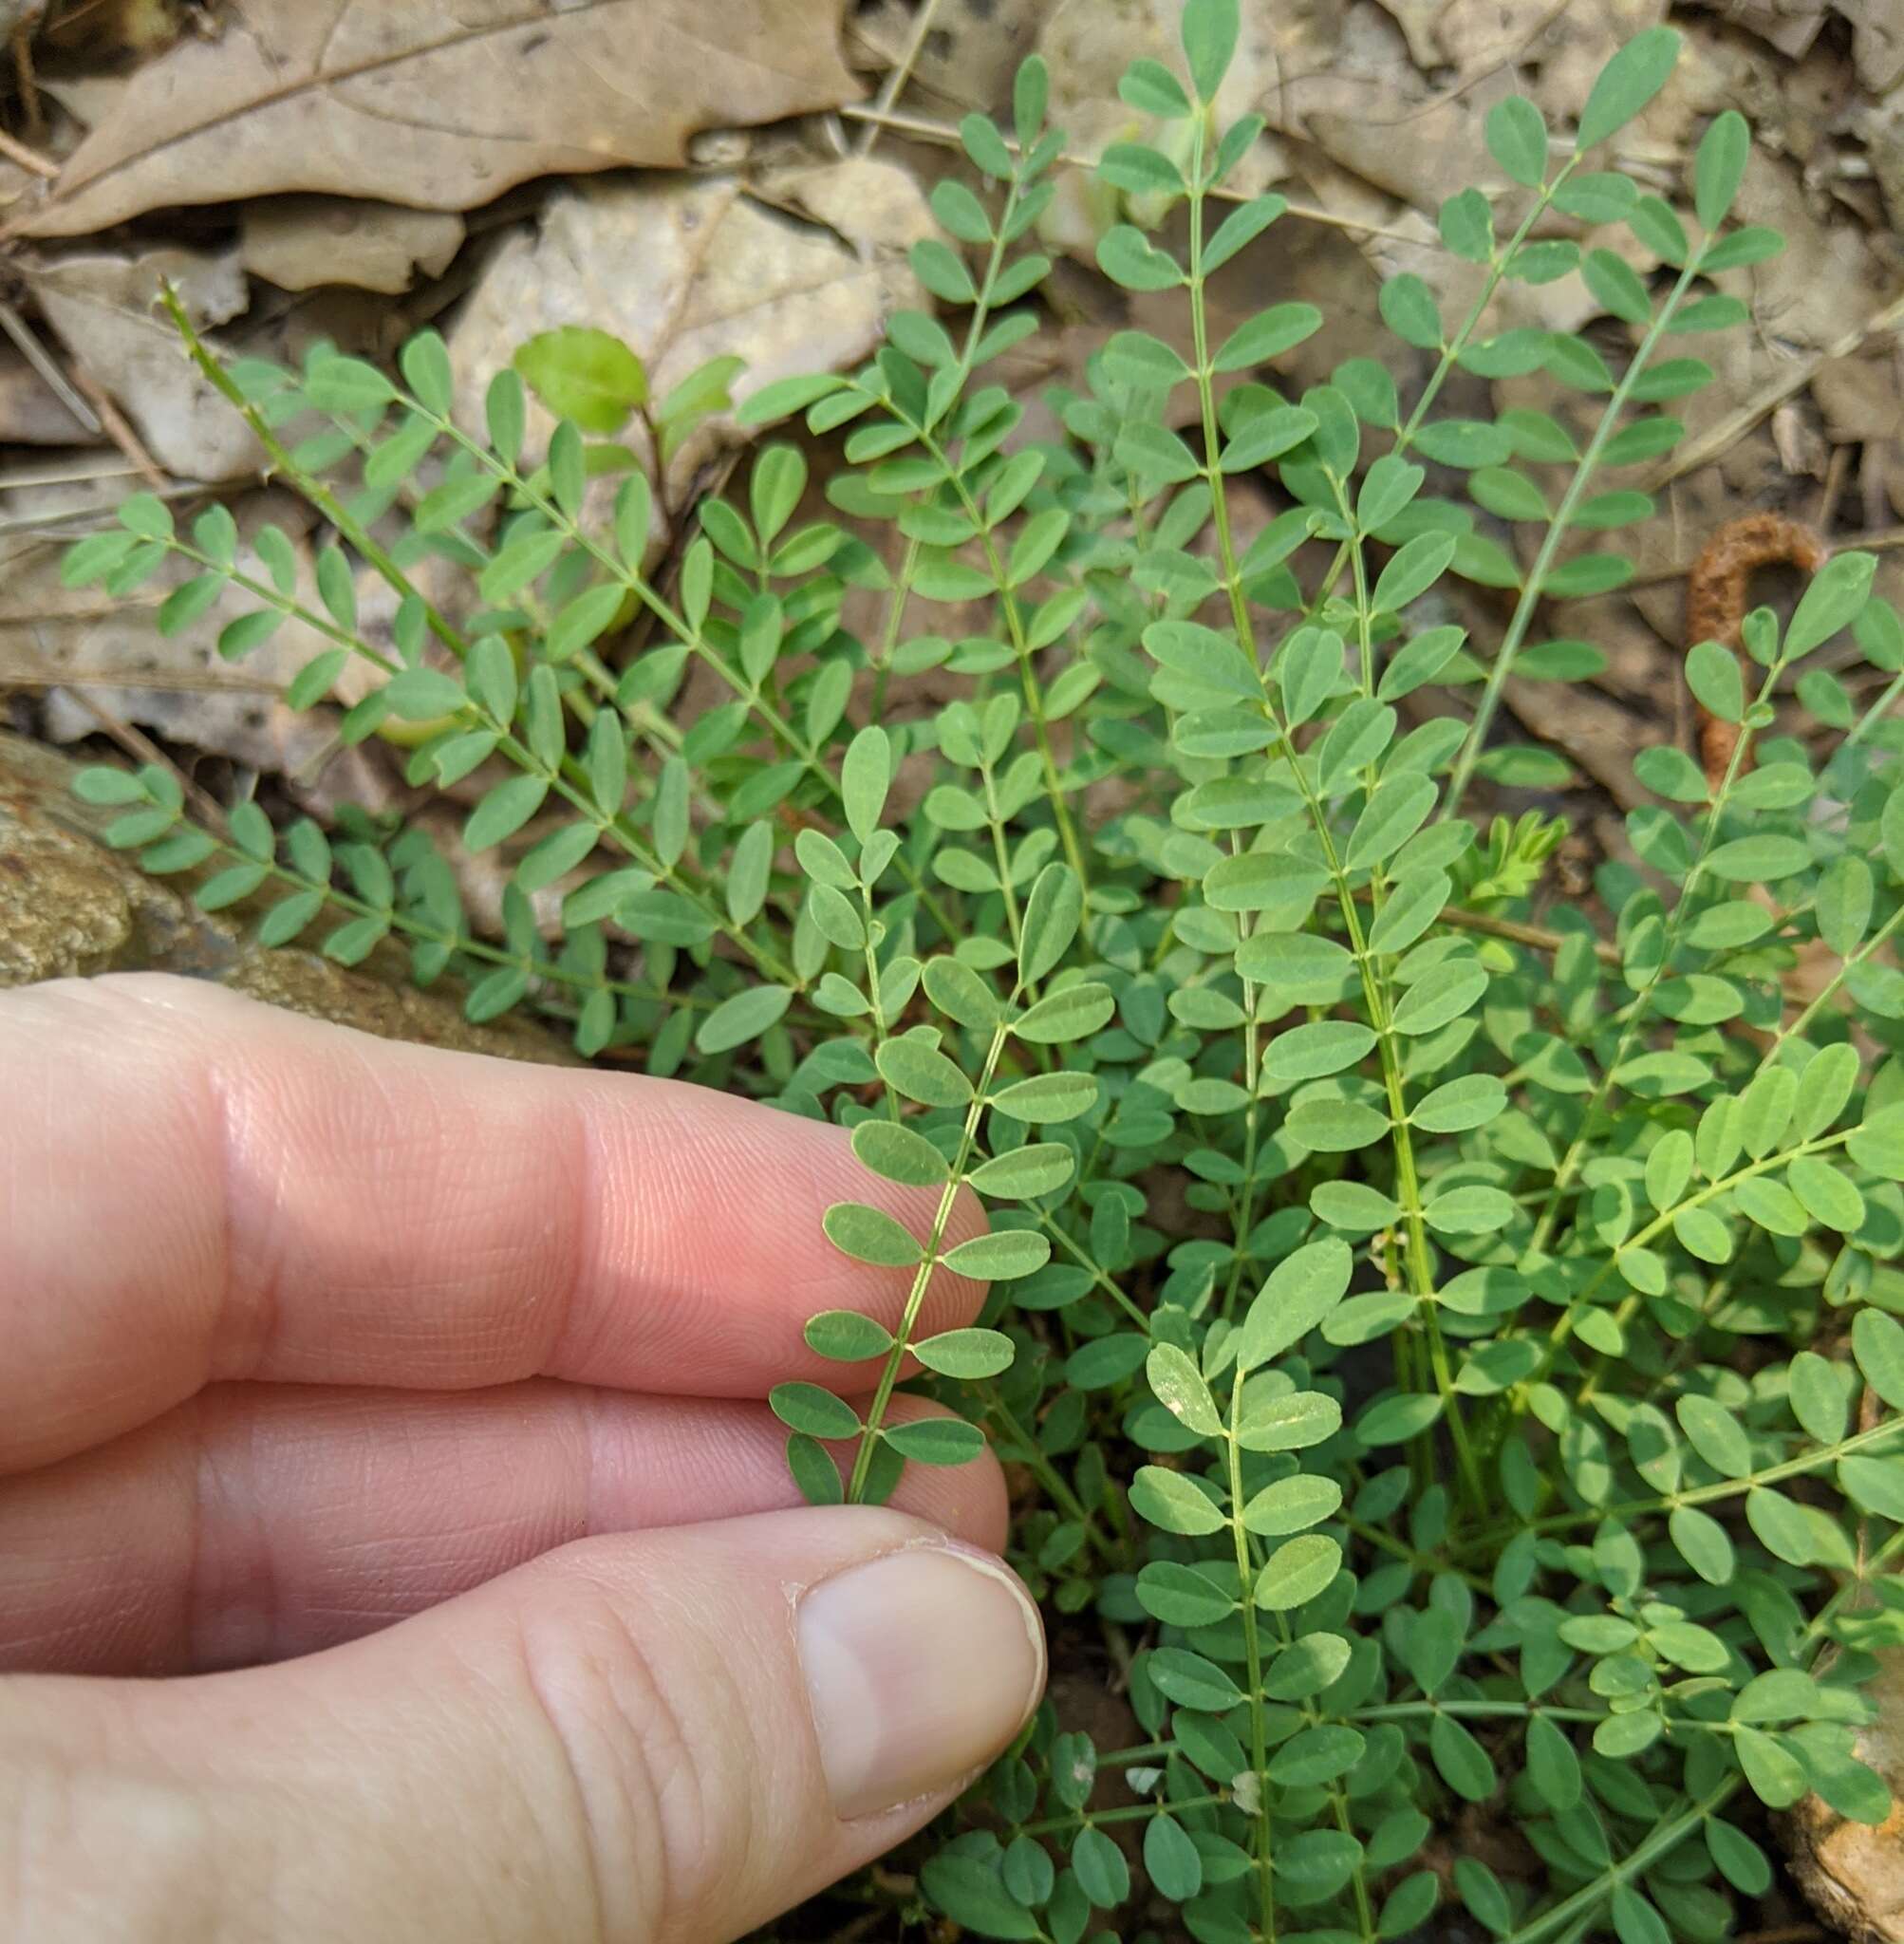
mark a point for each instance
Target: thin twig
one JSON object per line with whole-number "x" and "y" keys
{"x": 1486, "y": 71}
{"x": 119, "y": 429}
{"x": 901, "y": 73}
{"x": 29, "y": 159}
{"x": 23, "y": 72}
{"x": 145, "y": 679}
{"x": 1836, "y": 470}
{"x": 64, "y": 475}
{"x": 1536, "y": 936}
{"x": 40, "y": 360}
{"x": 83, "y": 518}
{"x": 923, "y": 129}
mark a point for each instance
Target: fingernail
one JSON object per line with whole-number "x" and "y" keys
{"x": 921, "y": 1666}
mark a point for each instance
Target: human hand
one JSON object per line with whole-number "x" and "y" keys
{"x": 364, "y": 1390}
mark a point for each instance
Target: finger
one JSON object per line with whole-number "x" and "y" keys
{"x": 260, "y": 1521}
{"x": 666, "y": 1738}
{"x": 196, "y": 1187}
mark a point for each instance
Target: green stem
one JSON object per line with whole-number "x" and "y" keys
{"x": 1636, "y": 1012}
{"x": 872, "y": 994}
{"x": 1874, "y": 715}
{"x": 1664, "y": 1839}
{"x": 1827, "y": 992}
{"x": 1025, "y": 1451}
{"x": 312, "y": 489}
{"x": 1001, "y": 855}
{"x": 1207, "y": 404}
{"x": 895, "y": 617}
{"x": 1478, "y": 1711}
{"x": 1535, "y": 585}
{"x": 1099, "y": 1274}
{"x": 1421, "y": 1277}
{"x": 1265, "y": 1869}
{"x": 569, "y": 780}
{"x": 1021, "y": 647}
{"x": 888, "y": 1376}
{"x": 1450, "y": 353}
{"x": 1702, "y": 1494}
{"x": 1135, "y": 1812}
{"x": 1563, "y": 1324}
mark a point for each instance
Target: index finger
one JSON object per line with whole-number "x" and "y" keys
{"x": 196, "y": 1187}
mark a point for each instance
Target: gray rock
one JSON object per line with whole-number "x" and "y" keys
{"x": 1851, "y": 1873}
{"x": 71, "y": 907}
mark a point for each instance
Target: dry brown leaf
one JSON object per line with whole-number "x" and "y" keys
{"x": 1371, "y": 112}
{"x": 1858, "y": 396}
{"x": 1798, "y": 441}
{"x": 1419, "y": 20}
{"x": 1425, "y": 161}
{"x": 1550, "y": 50}
{"x": 1826, "y": 277}
{"x": 436, "y": 107}
{"x": 100, "y": 305}
{"x": 695, "y": 268}
{"x": 1717, "y": 71}
{"x": 30, "y": 411}
{"x": 1877, "y": 41}
{"x": 1880, "y": 125}
{"x": 1790, "y": 26}
{"x": 301, "y": 242}
{"x": 1357, "y": 96}
{"x": 971, "y": 54}
{"x": 1601, "y": 735}
{"x": 107, "y": 32}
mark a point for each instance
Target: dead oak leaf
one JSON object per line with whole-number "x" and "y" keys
{"x": 102, "y": 305}
{"x": 407, "y": 101}
{"x": 305, "y": 242}
{"x": 690, "y": 268}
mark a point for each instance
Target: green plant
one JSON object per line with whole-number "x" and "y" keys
{"x": 1455, "y": 1361}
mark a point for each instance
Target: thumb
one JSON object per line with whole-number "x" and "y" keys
{"x": 667, "y": 1735}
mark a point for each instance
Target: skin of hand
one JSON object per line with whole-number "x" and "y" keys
{"x": 394, "y": 1543}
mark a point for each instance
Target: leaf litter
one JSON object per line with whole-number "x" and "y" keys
{"x": 300, "y": 145}
{"x": 407, "y": 101}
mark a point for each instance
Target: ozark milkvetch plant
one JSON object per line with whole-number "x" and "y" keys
{"x": 1447, "y": 1361}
